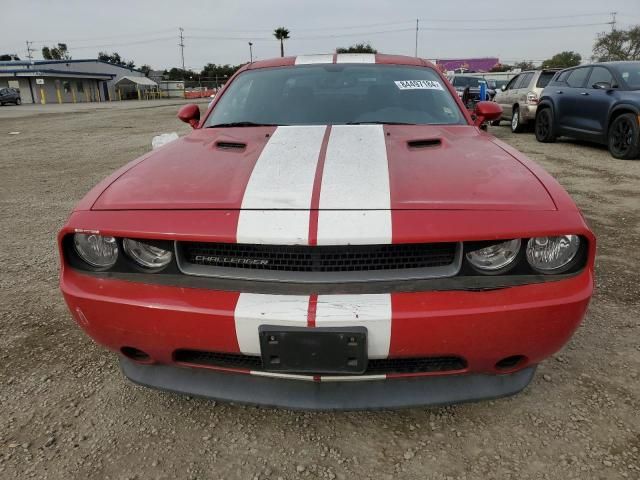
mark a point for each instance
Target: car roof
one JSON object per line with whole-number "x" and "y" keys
{"x": 378, "y": 58}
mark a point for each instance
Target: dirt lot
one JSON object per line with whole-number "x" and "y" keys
{"x": 66, "y": 412}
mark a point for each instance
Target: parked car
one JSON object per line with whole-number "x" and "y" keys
{"x": 598, "y": 103}
{"x": 468, "y": 88}
{"x": 10, "y": 95}
{"x": 519, "y": 98}
{"x": 331, "y": 238}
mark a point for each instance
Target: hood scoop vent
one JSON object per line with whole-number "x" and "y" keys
{"x": 424, "y": 143}
{"x": 231, "y": 145}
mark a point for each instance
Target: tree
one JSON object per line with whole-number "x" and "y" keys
{"x": 219, "y": 72}
{"x": 357, "y": 48}
{"x": 563, "y": 60}
{"x": 525, "y": 65}
{"x": 116, "y": 59}
{"x": 8, "y": 57}
{"x": 618, "y": 45}
{"x": 501, "y": 68}
{"x": 146, "y": 69}
{"x": 58, "y": 52}
{"x": 281, "y": 34}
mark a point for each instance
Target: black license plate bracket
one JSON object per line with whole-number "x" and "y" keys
{"x": 323, "y": 350}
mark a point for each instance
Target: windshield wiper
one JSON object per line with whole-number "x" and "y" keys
{"x": 245, "y": 124}
{"x": 378, "y": 122}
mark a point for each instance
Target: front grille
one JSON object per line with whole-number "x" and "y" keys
{"x": 375, "y": 366}
{"x": 302, "y": 259}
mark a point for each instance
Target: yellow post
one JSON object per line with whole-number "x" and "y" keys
{"x": 139, "y": 96}
{"x": 59, "y": 95}
{"x": 86, "y": 94}
{"x": 119, "y": 95}
{"x": 73, "y": 94}
{"x": 43, "y": 97}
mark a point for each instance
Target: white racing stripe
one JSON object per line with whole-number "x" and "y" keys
{"x": 356, "y": 58}
{"x": 372, "y": 311}
{"x": 282, "y": 178}
{"x": 253, "y": 310}
{"x": 355, "y": 200}
{"x": 311, "y": 59}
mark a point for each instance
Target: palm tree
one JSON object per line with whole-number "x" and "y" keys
{"x": 281, "y": 34}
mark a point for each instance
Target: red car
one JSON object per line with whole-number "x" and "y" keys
{"x": 337, "y": 232}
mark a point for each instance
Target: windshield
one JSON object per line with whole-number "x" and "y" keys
{"x": 336, "y": 94}
{"x": 630, "y": 73}
{"x": 467, "y": 81}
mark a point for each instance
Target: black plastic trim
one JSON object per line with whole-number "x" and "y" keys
{"x": 304, "y": 395}
{"x": 464, "y": 283}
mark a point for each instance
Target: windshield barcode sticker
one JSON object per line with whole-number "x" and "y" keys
{"x": 418, "y": 85}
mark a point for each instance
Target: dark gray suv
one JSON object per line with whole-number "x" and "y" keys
{"x": 599, "y": 103}
{"x": 10, "y": 95}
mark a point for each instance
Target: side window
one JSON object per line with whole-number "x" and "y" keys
{"x": 523, "y": 82}
{"x": 512, "y": 82}
{"x": 562, "y": 76}
{"x": 577, "y": 77}
{"x": 600, "y": 75}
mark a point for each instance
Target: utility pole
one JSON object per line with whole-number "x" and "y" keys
{"x": 417, "y": 30}
{"x": 29, "y": 50}
{"x": 250, "y": 52}
{"x": 613, "y": 21}
{"x": 181, "y": 44}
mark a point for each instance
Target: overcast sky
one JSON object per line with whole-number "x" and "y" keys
{"x": 219, "y": 32}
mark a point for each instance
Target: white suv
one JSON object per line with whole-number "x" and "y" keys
{"x": 519, "y": 98}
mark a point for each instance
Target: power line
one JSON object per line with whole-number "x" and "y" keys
{"x": 110, "y": 37}
{"x": 123, "y": 44}
{"x": 512, "y": 19}
{"x": 515, "y": 28}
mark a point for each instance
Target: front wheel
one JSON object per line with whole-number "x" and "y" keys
{"x": 495, "y": 123}
{"x": 516, "y": 124}
{"x": 544, "y": 126}
{"x": 623, "y": 137}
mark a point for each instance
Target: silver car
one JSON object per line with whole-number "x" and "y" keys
{"x": 519, "y": 98}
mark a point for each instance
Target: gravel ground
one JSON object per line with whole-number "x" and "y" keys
{"x": 66, "y": 411}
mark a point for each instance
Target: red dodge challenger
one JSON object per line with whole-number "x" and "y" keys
{"x": 337, "y": 232}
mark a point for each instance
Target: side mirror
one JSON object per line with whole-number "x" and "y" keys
{"x": 190, "y": 114}
{"x": 601, "y": 85}
{"x": 486, "y": 112}
{"x": 503, "y": 88}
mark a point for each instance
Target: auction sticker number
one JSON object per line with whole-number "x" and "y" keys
{"x": 418, "y": 85}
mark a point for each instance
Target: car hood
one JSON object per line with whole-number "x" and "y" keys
{"x": 362, "y": 167}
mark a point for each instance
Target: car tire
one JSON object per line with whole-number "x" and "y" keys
{"x": 495, "y": 123}
{"x": 623, "y": 138}
{"x": 516, "y": 125}
{"x": 544, "y": 126}
{"x": 18, "y": 101}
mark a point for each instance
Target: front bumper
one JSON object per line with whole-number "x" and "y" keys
{"x": 532, "y": 321}
{"x": 301, "y": 395}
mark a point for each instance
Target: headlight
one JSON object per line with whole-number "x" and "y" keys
{"x": 96, "y": 250}
{"x": 146, "y": 254}
{"x": 494, "y": 258}
{"x": 551, "y": 254}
